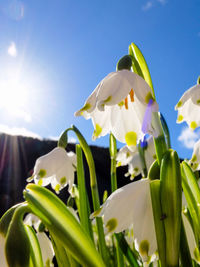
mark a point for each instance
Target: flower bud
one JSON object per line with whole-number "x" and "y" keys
{"x": 171, "y": 196}
{"x": 124, "y": 63}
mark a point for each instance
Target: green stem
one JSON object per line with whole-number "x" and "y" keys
{"x": 93, "y": 184}
{"x": 142, "y": 160}
{"x": 159, "y": 142}
{"x": 185, "y": 256}
{"x": 113, "y": 169}
{"x": 83, "y": 201}
{"x": 126, "y": 250}
{"x": 113, "y": 174}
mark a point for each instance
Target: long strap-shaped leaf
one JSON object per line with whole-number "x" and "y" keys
{"x": 59, "y": 220}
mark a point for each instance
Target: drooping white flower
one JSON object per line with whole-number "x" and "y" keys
{"x": 131, "y": 205}
{"x": 195, "y": 160}
{"x": 189, "y": 107}
{"x": 57, "y": 167}
{"x": 131, "y": 158}
{"x": 118, "y": 105}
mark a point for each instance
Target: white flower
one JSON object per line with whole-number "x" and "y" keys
{"x": 118, "y": 105}
{"x": 131, "y": 205}
{"x": 195, "y": 160}
{"x": 57, "y": 168}
{"x": 189, "y": 107}
{"x": 131, "y": 158}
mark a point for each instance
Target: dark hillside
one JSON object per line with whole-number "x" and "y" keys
{"x": 17, "y": 158}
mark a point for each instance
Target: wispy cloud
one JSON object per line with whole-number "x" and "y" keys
{"x": 188, "y": 138}
{"x": 18, "y": 131}
{"x": 12, "y": 49}
{"x": 147, "y": 6}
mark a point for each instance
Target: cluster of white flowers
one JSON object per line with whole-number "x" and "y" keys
{"x": 122, "y": 103}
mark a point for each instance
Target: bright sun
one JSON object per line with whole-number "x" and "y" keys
{"x": 14, "y": 98}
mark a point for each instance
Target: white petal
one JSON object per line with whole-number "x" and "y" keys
{"x": 117, "y": 85}
{"x": 50, "y": 162}
{"x": 125, "y": 155}
{"x": 89, "y": 105}
{"x": 2, "y": 251}
{"x": 46, "y": 248}
{"x": 135, "y": 166}
{"x": 192, "y": 93}
{"x": 101, "y": 122}
{"x": 129, "y": 205}
{"x": 124, "y": 121}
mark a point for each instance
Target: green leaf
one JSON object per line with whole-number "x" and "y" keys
{"x": 135, "y": 51}
{"x": 192, "y": 195}
{"x": 83, "y": 197}
{"x": 17, "y": 246}
{"x": 171, "y": 198}
{"x": 60, "y": 221}
{"x": 159, "y": 224}
{"x": 35, "y": 251}
{"x": 128, "y": 253}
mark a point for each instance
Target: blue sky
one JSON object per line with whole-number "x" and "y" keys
{"x": 54, "y": 53}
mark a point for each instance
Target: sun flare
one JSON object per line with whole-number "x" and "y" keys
{"x": 14, "y": 96}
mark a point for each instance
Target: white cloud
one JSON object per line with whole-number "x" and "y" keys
{"x": 147, "y": 6}
{"x": 18, "y": 131}
{"x": 12, "y": 50}
{"x": 188, "y": 138}
{"x": 71, "y": 139}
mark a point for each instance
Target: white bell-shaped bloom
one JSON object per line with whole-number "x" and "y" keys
{"x": 131, "y": 206}
{"x": 189, "y": 107}
{"x": 118, "y": 105}
{"x": 195, "y": 160}
{"x": 57, "y": 167}
{"x": 131, "y": 158}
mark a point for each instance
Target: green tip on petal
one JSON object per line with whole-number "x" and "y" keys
{"x": 124, "y": 63}
{"x": 194, "y": 158}
{"x": 198, "y": 80}
{"x": 179, "y": 104}
{"x": 42, "y": 173}
{"x": 148, "y": 97}
{"x": 193, "y": 125}
{"x": 63, "y": 180}
{"x": 144, "y": 248}
{"x": 97, "y": 130}
{"x": 180, "y": 118}
{"x": 131, "y": 138}
{"x": 111, "y": 225}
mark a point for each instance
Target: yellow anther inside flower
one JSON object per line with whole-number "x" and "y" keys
{"x": 132, "y": 95}
{"x": 126, "y": 102}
